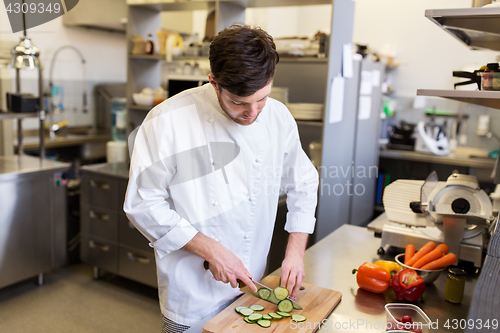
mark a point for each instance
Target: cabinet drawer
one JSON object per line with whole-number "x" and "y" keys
{"x": 99, "y": 222}
{"x": 130, "y": 236}
{"x": 138, "y": 265}
{"x": 101, "y": 253}
{"x": 100, "y": 191}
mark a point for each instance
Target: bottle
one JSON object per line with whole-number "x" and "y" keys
{"x": 149, "y": 45}
{"x": 455, "y": 285}
{"x": 119, "y": 119}
{"x": 487, "y": 76}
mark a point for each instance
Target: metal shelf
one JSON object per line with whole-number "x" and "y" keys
{"x": 147, "y": 56}
{"x": 139, "y": 107}
{"x": 18, "y": 115}
{"x": 171, "y": 5}
{"x": 489, "y": 99}
{"x": 478, "y": 28}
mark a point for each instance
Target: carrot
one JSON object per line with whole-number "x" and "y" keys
{"x": 422, "y": 252}
{"x": 447, "y": 260}
{"x": 435, "y": 254}
{"x": 409, "y": 252}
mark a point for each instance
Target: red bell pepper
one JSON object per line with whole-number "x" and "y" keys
{"x": 408, "y": 285}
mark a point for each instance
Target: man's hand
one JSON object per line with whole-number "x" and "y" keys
{"x": 227, "y": 267}
{"x": 224, "y": 265}
{"x": 292, "y": 268}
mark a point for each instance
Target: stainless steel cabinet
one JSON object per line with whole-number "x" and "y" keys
{"x": 32, "y": 218}
{"x": 109, "y": 241}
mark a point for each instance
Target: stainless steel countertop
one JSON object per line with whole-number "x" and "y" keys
{"x": 458, "y": 160}
{"x": 15, "y": 165}
{"x": 33, "y": 142}
{"x": 119, "y": 169}
{"x": 329, "y": 264}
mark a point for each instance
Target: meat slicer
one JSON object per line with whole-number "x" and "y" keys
{"x": 456, "y": 212}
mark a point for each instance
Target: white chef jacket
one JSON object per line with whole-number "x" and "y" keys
{"x": 193, "y": 169}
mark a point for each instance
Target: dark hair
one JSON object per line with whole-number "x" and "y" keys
{"x": 243, "y": 59}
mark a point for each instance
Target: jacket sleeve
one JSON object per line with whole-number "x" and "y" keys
{"x": 300, "y": 181}
{"x": 147, "y": 202}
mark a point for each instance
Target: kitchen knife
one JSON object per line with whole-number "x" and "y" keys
{"x": 246, "y": 289}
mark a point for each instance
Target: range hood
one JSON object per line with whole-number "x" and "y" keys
{"x": 110, "y": 15}
{"x": 478, "y": 28}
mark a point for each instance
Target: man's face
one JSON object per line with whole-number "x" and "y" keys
{"x": 242, "y": 110}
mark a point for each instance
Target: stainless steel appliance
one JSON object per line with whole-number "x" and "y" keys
{"x": 456, "y": 212}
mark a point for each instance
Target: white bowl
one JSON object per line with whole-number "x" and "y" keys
{"x": 143, "y": 99}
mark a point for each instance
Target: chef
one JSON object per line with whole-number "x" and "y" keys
{"x": 207, "y": 169}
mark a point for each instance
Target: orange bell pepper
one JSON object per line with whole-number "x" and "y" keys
{"x": 372, "y": 277}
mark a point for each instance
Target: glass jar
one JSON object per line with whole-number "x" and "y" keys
{"x": 487, "y": 76}
{"x": 455, "y": 285}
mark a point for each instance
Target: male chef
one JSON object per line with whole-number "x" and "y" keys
{"x": 207, "y": 169}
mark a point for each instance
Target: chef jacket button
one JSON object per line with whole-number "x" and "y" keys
{"x": 250, "y": 199}
{"x": 215, "y": 203}
{"x": 210, "y": 120}
{"x": 247, "y": 236}
{"x": 257, "y": 160}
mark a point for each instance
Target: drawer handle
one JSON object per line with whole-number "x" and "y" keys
{"x": 101, "y": 185}
{"x": 95, "y": 245}
{"x": 130, "y": 225}
{"x": 139, "y": 259}
{"x": 93, "y": 215}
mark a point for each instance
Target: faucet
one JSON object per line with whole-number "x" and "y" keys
{"x": 51, "y": 84}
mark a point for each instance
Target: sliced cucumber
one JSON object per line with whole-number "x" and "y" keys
{"x": 267, "y": 317}
{"x": 248, "y": 321}
{"x": 285, "y": 305}
{"x": 246, "y": 312}
{"x": 284, "y": 314}
{"x": 257, "y": 307}
{"x": 264, "y": 293}
{"x": 298, "y": 318}
{"x": 275, "y": 315}
{"x": 238, "y": 308}
{"x": 255, "y": 316}
{"x": 264, "y": 323}
{"x": 280, "y": 293}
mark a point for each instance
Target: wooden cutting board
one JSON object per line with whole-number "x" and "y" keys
{"x": 317, "y": 304}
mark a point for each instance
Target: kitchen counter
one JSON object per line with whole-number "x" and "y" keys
{"x": 32, "y": 217}
{"x": 329, "y": 263}
{"x": 115, "y": 170}
{"x": 11, "y": 166}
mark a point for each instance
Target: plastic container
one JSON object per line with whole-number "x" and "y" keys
{"x": 119, "y": 119}
{"x": 395, "y": 311}
{"x": 487, "y": 76}
{"x": 486, "y": 81}
{"x": 455, "y": 285}
{"x": 116, "y": 151}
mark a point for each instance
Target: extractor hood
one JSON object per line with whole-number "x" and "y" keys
{"x": 108, "y": 15}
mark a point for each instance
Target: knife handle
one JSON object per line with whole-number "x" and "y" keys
{"x": 241, "y": 284}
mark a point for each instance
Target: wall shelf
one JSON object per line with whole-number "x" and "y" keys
{"x": 478, "y": 28}
{"x": 139, "y": 107}
{"x": 17, "y": 115}
{"x": 489, "y": 99}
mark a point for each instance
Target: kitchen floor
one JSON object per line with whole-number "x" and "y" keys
{"x": 71, "y": 301}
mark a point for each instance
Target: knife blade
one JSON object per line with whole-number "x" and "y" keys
{"x": 272, "y": 298}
